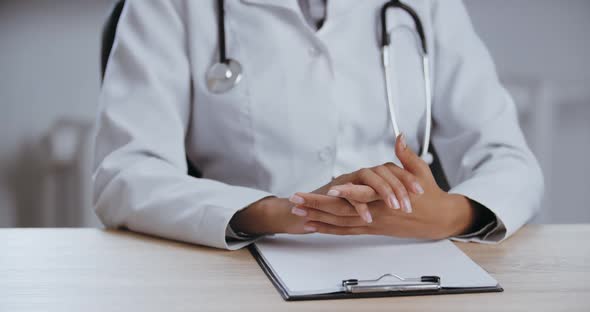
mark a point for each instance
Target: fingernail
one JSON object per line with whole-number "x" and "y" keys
{"x": 333, "y": 193}
{"x": 418, "y": 188}
{"x": 298, "y": 211}
{"x": 394, "y": 202}
{"x": 408, "y": 206}
{"x": 402, "y": 139}
{"x": 296, "y": 199}
{"x": 368, "y": 217}
{"x": 308, "y": 228}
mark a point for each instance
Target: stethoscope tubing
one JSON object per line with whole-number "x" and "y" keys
{"x": 221, "y": 31}
{"x": 227, "y": 73}
{"x": 385, "y": 45}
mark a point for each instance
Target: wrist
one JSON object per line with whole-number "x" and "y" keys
{"x": 259, "y": 218}
{"x": 463, "y": 215}
{"x": 482, "y": 216}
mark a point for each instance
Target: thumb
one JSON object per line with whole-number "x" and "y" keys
{"x": 410, "y": 160}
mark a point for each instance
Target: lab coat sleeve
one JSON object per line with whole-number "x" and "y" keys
{"x": 476, "y": 132}
{"x": 140, "y": 179}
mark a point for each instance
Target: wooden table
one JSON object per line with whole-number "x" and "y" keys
{"x": 542, "y": 268}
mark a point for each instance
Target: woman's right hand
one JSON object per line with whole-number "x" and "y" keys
{"x": 270, "y": 215}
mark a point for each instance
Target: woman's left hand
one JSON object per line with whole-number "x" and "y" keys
{"x": 435, "y": 214}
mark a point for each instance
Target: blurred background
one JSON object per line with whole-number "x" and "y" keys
{"x": 49, "y": 84}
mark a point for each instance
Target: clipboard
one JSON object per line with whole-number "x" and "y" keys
{"x": 388, "y": 284}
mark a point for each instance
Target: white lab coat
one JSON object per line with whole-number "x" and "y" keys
{"x": 311, "y": 106}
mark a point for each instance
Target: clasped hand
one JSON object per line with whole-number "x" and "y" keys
{"x": 382, "y": 200}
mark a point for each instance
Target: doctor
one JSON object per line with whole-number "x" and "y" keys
{"x": 302, "y": 129}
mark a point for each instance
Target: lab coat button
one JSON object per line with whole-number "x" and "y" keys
{"x": 314, "y": 52}
{"x": 325, "y": 154}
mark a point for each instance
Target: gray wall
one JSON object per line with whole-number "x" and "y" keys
{"x": 48, "y": 72}
{"x": 49, "y": 69}
{"x": 542, "y": 47}
{"x": 541, "y": 38}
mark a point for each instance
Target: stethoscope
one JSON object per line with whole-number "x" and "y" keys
{"x": 227, "y": 72}
{"x": 385, "y": 41}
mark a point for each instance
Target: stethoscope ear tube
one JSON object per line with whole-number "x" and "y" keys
{"x": 424, "y": 153}
{"x": 428, "y": 106}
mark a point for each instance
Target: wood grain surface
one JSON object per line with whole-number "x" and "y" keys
{"x": 542, "y": 268}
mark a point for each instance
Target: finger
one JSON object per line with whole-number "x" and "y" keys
{"x": 370, "y": 178}
{"x": 320, "y": 227}
{"x": 398, "y": 188}
{"x": 359, "y": 193}
{"x": 334, "y": 205}
{"x": 327, "y": 204}
{"x": 328, "y": 218}
{"x": 362, "y": 209}
{"x": 411, "y": 162}
{"x": 407, "y": 178}
{"x": 350, "y": 192}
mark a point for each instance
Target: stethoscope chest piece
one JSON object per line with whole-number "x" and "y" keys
{"x": 223, "y": 76}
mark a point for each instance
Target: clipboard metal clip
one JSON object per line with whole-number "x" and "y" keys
{"x": 424, "y": 283}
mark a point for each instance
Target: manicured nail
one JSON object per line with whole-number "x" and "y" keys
{"x": 402, "y": 139}
{"x": 418, "y": 188}
{"x": 308, "y": 228}
{"x": 408, "y": 206}
{"x": 334, "y": 193}
{"x": 368, "y": 218}
{"x": 296, "y": 199}
{"x": 394, "y": 202}
{"x": 298, "y": 211}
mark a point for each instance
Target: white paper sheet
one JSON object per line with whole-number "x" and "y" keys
{"x": 317, "y": 263}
